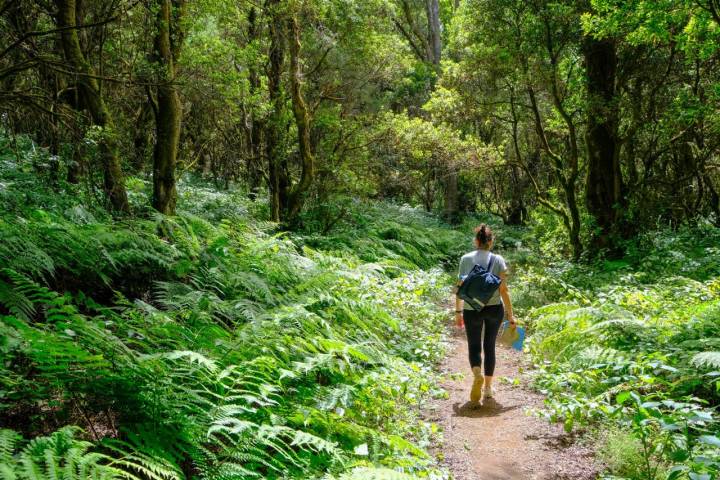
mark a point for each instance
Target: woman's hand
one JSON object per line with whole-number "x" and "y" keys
{"x": 511, "y": 320}
{"x": 459, "y": 322}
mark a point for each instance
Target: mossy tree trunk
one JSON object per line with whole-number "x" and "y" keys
{"x": 253, "y": 122}
{"x": 287, "y": 197}
{"x": 91, "y": 99}
{"x": 296, "y": 196}
{"x": 168, "y": 118}
{"x": 273, "y": 145}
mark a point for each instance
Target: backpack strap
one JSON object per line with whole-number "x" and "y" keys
{"x": 491, "y": 262}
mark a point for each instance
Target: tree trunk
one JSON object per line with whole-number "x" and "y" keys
{"x": 516, "y": 213}
{"x": 434, "y": 30}
{"x": 451, "y": 196}
{"x": 276, "y": 57}
{"x": 428, "y": 195}
{"x": 432, "y": 8}
{"x": 565, "y": 172}
{"x": 574, "y": 224}
{"x": 168, "y": 40}
{"x": 296, "y": 197}
{"x": 604, "y": 189}
{"x": 76, "y": 168}
{"x": 254, "y": 125}
{"x": 89, "y": 91}
{"x": 254, "y": 161}
{"x": 714, "y": 199}
{"x": 142, "y": 135}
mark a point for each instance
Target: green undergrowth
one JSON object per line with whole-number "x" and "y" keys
{"x": 208, "y": 345}
{"x": 373, "y": 232}
{"x": 409, "y": 236}
{"x": 630, "y": 349}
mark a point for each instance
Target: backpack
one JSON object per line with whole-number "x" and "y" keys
{"x": 479, "y": 285}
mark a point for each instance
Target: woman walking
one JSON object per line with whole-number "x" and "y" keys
{"x": 489, "y": 318}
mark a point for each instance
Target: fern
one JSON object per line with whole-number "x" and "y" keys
{"x": 19, "y": 252}
{"x": 16, "y": 301}
{"x": 142, "y": 464}
{"x": 192, "y": 357}
{"x": 340, "y": 396}
{"x": 707, "y": 359}
{"x": 596, "y": 355}
{"x": 210, "y": 341}
{"x": 8, "y": 442}
{"x": 61, "y": 456}
{"x": 28, "y": 294}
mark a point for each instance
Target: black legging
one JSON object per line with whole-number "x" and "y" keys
{"x": 488, "y": 318}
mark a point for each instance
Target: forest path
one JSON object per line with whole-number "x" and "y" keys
{"x": 499, "y": 440}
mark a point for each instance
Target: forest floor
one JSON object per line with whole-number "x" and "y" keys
{"x": 501, "y": 440}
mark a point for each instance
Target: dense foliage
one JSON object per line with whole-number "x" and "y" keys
{"x": 207, "y": 345}
{"x": 602, "y": 114}
{"x": 631, "y": 350}
{"x": 211, "y": 345}
{"x": 219, "y": 221}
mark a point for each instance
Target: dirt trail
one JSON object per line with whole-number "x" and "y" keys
{"x": 498, "y": 440}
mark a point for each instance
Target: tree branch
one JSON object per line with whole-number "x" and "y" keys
{"x": 40, "y": 33}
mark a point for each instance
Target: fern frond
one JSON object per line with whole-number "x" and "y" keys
{"x": 631, "y": 323}
{"x": 339, "y": 396}
{"x": 231, "y": 470}
{"x": 16, "y": 302}
{"x": 19, "y": 252}
{"x": 707, "y": 359}
{"x": 190, "y": 356}
{"x": 61, "y": 456}
{"x": 8, "y": 442}
{"x": 146, "y": 466}
{"x": 312, "y": 442}
{"x": 596, "y": 355}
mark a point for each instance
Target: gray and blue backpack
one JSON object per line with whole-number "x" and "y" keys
{"x": 478, "y": 286}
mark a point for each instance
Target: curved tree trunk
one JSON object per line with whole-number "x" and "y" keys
{"x": 565, "y": 171}
{"x": 89, "y": 92}
{"x": 168, "y": 119}
{"x": 296, "y": 197}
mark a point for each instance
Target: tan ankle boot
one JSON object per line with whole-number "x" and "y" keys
{"x": 476, "y": 390}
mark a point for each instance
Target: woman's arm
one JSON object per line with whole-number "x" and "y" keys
{"x": 458, "y": 306}
{"x": 505, "y": 295}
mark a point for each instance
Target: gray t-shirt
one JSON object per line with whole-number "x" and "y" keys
{"x": 482, "y": 257}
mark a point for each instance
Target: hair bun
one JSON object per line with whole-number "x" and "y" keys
{"x": 483, "y": 234}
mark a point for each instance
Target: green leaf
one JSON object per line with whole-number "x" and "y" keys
{"x": 709, "y": 440}
{"x": 699, "y": 476}
{"x": 622, "y": 397}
